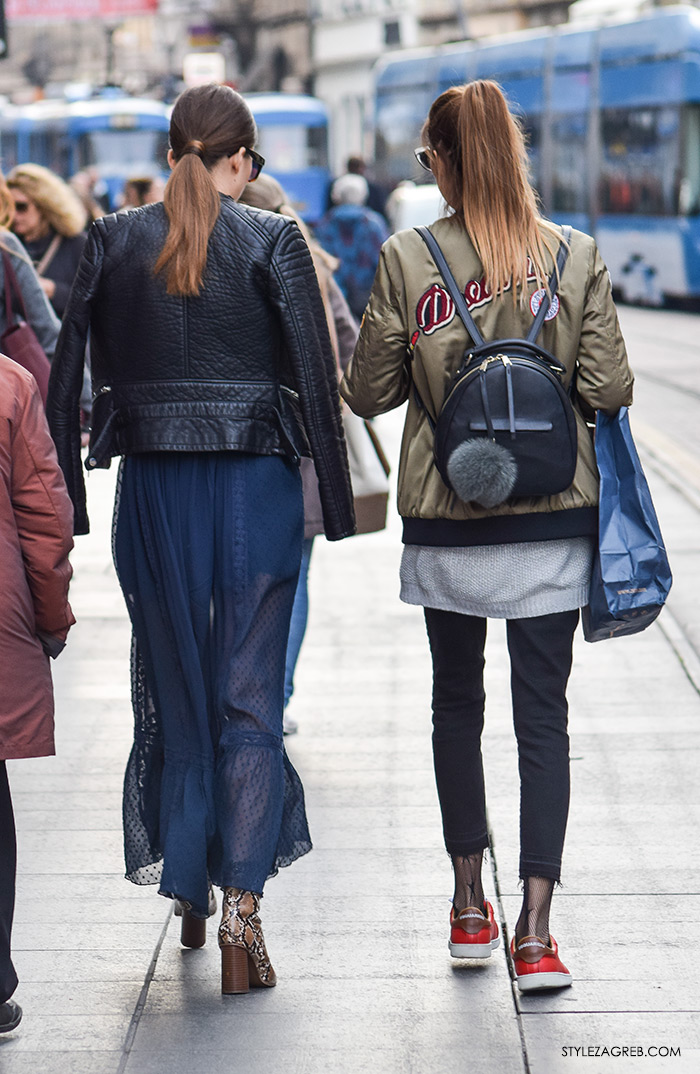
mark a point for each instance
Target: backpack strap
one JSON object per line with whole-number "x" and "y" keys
{"x": 451, "y": 285}
{"x": 553, "y": 285}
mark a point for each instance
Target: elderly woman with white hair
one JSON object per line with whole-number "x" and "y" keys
{"x": 50, "y": 221}
{"x": 354, "y": 235}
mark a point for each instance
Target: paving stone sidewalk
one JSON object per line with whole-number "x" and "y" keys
{"x": 358, "y": 929}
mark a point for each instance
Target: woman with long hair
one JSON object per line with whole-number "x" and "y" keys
{"x": 211, "y": 366}
{"x": 526, "y": 560}
{"x": 50, "y": 220}
{"x": 39, "y": 313}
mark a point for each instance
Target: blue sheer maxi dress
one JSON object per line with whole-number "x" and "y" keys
{"x": 207, "y": 549}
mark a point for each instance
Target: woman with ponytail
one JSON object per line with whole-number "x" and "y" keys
{"x": 524, "y": 560}
{"x": 213, "y": 374}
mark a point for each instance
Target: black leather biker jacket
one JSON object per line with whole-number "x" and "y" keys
{"x": 246, "y": 365}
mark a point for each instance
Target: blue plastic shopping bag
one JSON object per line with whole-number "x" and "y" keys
{"x": 631, "y": 577}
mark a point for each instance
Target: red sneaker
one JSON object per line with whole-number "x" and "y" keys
{"x": 538, "y": 966}
{"x": 474, "y": 934}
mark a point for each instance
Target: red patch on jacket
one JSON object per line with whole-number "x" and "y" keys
{"x": 435, "y": 309}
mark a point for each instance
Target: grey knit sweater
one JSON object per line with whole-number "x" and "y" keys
{"x": 504, "y": 581}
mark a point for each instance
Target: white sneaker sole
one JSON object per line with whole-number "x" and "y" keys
{"x": 474, "y": 950}
{"x": 533, "y": 982}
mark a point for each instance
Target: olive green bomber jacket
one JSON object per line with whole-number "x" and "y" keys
{"x": 411, "y": 330}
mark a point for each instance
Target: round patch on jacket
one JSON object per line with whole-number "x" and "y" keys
{"x": 435, "y": 309}
{"x": 536, "y": 302}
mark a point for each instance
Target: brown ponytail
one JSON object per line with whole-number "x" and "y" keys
{"x": 208, "y": 123}
{"x": 483, "y": 170}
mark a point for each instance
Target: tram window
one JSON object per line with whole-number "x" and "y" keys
{"x": 400, "y": 116}
{"x": 123, "y": 148}
{"x": 569, "y": 163}
{"x": 317, "y": 146}
{"x": 57, "y": 154}
{"x": 293, "y": 147}
{"x": 37, "y": 148}
{"x": 689, "y": 197}
{"x": 640, "y": 168}
{"x": 8, "y": 150}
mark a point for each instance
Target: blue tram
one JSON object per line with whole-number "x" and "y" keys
{"x": 118, "y": 136}
{"x": 293, "y": 138}
{"x": 612, "y": 114}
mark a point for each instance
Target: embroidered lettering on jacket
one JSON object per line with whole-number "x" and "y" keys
{"x": 435, "y": 309}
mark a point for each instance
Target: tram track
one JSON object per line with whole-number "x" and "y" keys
{"x": 664, "y": 382}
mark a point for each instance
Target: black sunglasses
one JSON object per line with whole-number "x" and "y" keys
{"x": 258, "y": 164}
{"x": 423, "y": 155}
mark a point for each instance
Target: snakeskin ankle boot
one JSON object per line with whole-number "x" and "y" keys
{"x": 244, "y": 958}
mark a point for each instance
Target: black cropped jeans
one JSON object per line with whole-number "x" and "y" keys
{"x": 540, "y": 655}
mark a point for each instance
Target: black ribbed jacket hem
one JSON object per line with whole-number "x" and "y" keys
{"x": 501, "y": 529}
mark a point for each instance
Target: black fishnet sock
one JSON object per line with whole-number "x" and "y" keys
{"x": 534, "y": 915}
{"x": 468, "y": 888}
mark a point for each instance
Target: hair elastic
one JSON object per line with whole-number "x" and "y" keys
{"x": 196, "y": 147}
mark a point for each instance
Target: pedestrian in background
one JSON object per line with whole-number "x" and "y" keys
{"x": 50, "y": 220}
{"x": 212, "y": 365}
{"x": 354, "y": 235}
{"x": 376, "y": 195}
{"x": 527, "y": 561}
{"x": 267, "y": 193}
{"x": 40, "y": 315}
{"x": 36, "y": 525}
{"x": 83, "y": 184}
{"x": 140, "y": 191}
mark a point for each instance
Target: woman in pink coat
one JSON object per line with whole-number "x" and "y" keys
{"x": 36, "y": 526}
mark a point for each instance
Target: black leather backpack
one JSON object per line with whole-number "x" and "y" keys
{"x": 506, "y": 427}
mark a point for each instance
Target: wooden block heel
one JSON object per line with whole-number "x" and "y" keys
{"x": 193, "y": 932}
{"x": 234, "y": 970}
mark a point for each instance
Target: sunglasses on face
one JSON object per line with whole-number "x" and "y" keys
{"x": 258, "y": 164}
{"x": 21, "y": 206}
{"x": 423, "y": 155}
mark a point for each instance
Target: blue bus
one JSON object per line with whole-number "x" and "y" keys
{"x": 293, "y": 138}
{"x": 612, "y": 114}
{"x": 117, "y": 136}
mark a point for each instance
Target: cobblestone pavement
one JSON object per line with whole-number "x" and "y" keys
{"x": 357, "y": 930}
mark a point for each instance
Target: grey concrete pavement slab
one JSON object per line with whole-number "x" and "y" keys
{"x": 97, "y": 964}
{"x": 110, "y": 888}
{"x": 546, "y": 1037}
{"x": 81, "y": 998}
{"x": 111, "y": 912}
{"x": 115, "y": 936}
{"x": 77, "y": 1033}
{"x": 68, "y": 820}
{"x": 405, "y": 1057}
{"x": 66, "y": 1061}
{"x": 315, "y": 1041}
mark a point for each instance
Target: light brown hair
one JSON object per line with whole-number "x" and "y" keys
{"x": 483, "y": 171}
{"x": 60, "y": 206}
{"x": 208, "y": 123}
{"x": 7, "y": 206}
